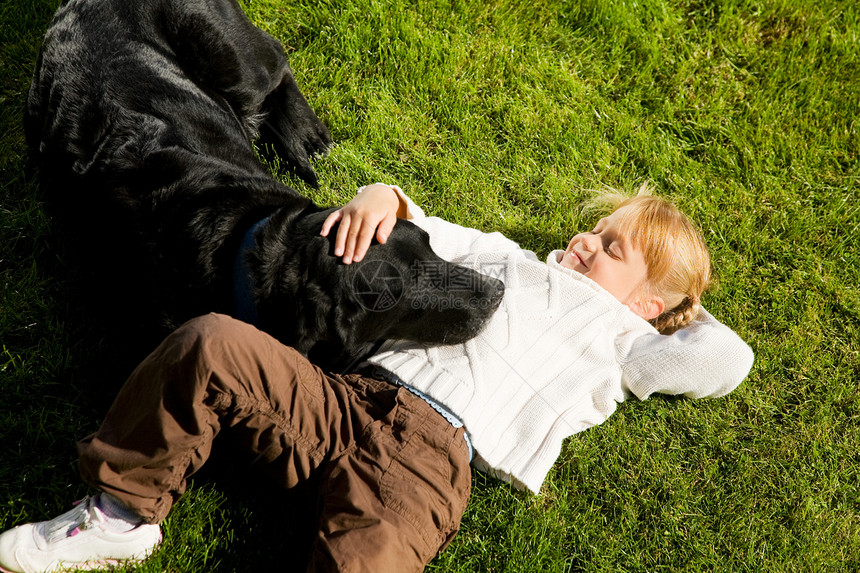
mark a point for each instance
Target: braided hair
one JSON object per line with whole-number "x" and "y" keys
{"x": 678, "y": 317}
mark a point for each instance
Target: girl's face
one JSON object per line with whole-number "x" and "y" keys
{"x": 610, "y": 259}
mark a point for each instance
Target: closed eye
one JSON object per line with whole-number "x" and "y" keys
{"x": 615, "y": 255}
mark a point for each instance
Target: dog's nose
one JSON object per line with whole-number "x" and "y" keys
{"x": 497, "y": 292}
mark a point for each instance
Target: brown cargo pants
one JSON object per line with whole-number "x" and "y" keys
{"x": 394, "y": 474}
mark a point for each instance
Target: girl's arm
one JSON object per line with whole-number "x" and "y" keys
{"x": 375, "y": 210}
{"x": 705, "y": 359}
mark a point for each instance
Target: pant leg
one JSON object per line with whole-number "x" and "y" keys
{"x": 396, "y": 501}
{"x": 214, "y": 374}
{"x": 395, "y": 474}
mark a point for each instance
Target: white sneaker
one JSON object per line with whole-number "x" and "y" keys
{"x": 77, "y": 539}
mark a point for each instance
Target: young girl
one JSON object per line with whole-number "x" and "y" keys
{"x": 388, "y": 450}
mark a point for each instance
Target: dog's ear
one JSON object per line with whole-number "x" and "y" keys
{"x": 322, "y": 317}
{"x": 345, "y": 339}
{"x": 332, "y": 300}
{"x": 327, "y": 331}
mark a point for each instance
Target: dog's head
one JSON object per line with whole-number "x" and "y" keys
{"x": 400, "y": 290}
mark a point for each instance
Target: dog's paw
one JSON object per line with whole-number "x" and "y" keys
{"x": 293, "y": 131}
{"x": 292, "y": 155}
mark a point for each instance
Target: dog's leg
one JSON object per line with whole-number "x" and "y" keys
{"x": 291, "y": 129}
{"x": 218, "y": 46}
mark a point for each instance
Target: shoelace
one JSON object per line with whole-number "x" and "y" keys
{"x": 69, "y": 524}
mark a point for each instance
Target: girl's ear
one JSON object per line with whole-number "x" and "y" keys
{"x": 648, "y": 307}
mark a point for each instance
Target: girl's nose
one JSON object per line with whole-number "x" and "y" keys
{"x": 589, "y": 241}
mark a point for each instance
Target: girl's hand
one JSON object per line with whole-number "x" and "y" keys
{"x": 373, "y": 211}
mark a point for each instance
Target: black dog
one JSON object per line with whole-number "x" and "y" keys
{"x": 142, "y": 115}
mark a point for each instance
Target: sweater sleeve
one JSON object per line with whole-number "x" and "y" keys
{"x": 705, "y": 359}
{"x": 451, "y": 241}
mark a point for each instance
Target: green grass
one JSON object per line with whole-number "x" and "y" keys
{"x": 502, "y": 115}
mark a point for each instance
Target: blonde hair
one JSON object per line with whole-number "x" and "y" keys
{"x": 679, "y": 265}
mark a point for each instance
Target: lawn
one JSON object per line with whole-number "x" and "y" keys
{"x": 503, "y": 115}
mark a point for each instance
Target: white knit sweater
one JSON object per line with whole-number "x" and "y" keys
{"x": 555, "y": 359}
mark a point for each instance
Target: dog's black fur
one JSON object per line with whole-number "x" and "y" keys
{"x": 141, "y": 116}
